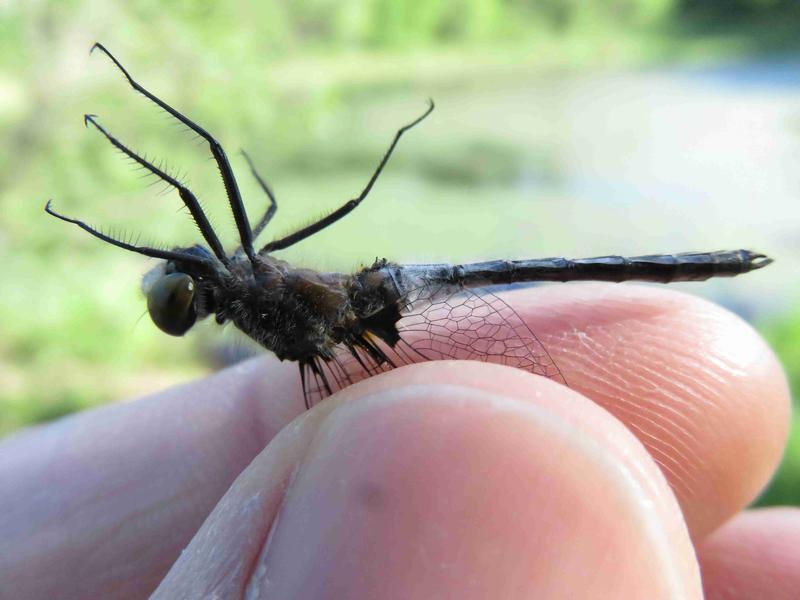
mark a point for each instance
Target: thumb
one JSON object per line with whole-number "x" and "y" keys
{"x": 413, "y": 485}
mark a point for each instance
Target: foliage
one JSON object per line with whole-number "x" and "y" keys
{"x": 785, "y": 486}
{"x": 292, "y": 82}
{"x": 783, "y": 334}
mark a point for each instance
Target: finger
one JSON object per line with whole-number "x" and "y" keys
{"x": 417, "y": 485}
{"x": 698, "y": 387}
{"x": 756, "y": 555}
{"x": 696, "y": 384}
{"x": 161, "y": 463}
{"x": 100, "y": 504}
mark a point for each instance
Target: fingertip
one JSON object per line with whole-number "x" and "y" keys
{"x": 698, "y": 387}
{"x": 487, "y": 469}
{"x": 755, "y": 555}
{"x": 694, "y": 382}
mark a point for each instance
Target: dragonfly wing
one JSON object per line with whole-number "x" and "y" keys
{"x": 472, "y": 324}
{"x": 438, "y": 323}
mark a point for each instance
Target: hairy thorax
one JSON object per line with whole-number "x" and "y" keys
{"x": 296, "y": 313}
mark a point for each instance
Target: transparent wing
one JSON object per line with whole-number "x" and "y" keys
{"x": 439, "y": 323}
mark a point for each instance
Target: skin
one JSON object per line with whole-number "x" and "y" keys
{"x": 448, "y": 479}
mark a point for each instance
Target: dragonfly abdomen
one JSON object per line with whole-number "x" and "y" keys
{"x": 660, "y": 268}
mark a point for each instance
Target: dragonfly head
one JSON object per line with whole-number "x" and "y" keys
{"x": 171, "y": 289}
{"x": 170, "y": 301}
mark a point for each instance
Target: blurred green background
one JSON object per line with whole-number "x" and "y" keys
{"x": 562, "y": 128}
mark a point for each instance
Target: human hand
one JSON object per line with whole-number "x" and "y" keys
{"x": 452, "y": 479}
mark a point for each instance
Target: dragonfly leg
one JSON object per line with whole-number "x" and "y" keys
{"x": 189, "y": 199}
{"x": 273, "y": 204}
{"x": 231, "y": 188}
{"x": 147, "y": 251}
{"x": 350, "y": 205}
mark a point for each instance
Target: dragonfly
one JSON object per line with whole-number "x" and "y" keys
{"x": 343, "y": 327}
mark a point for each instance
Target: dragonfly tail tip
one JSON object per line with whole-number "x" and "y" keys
{"x": 758, "y": 261}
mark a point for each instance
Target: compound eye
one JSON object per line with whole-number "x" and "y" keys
{"x": 169, "y": 302}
